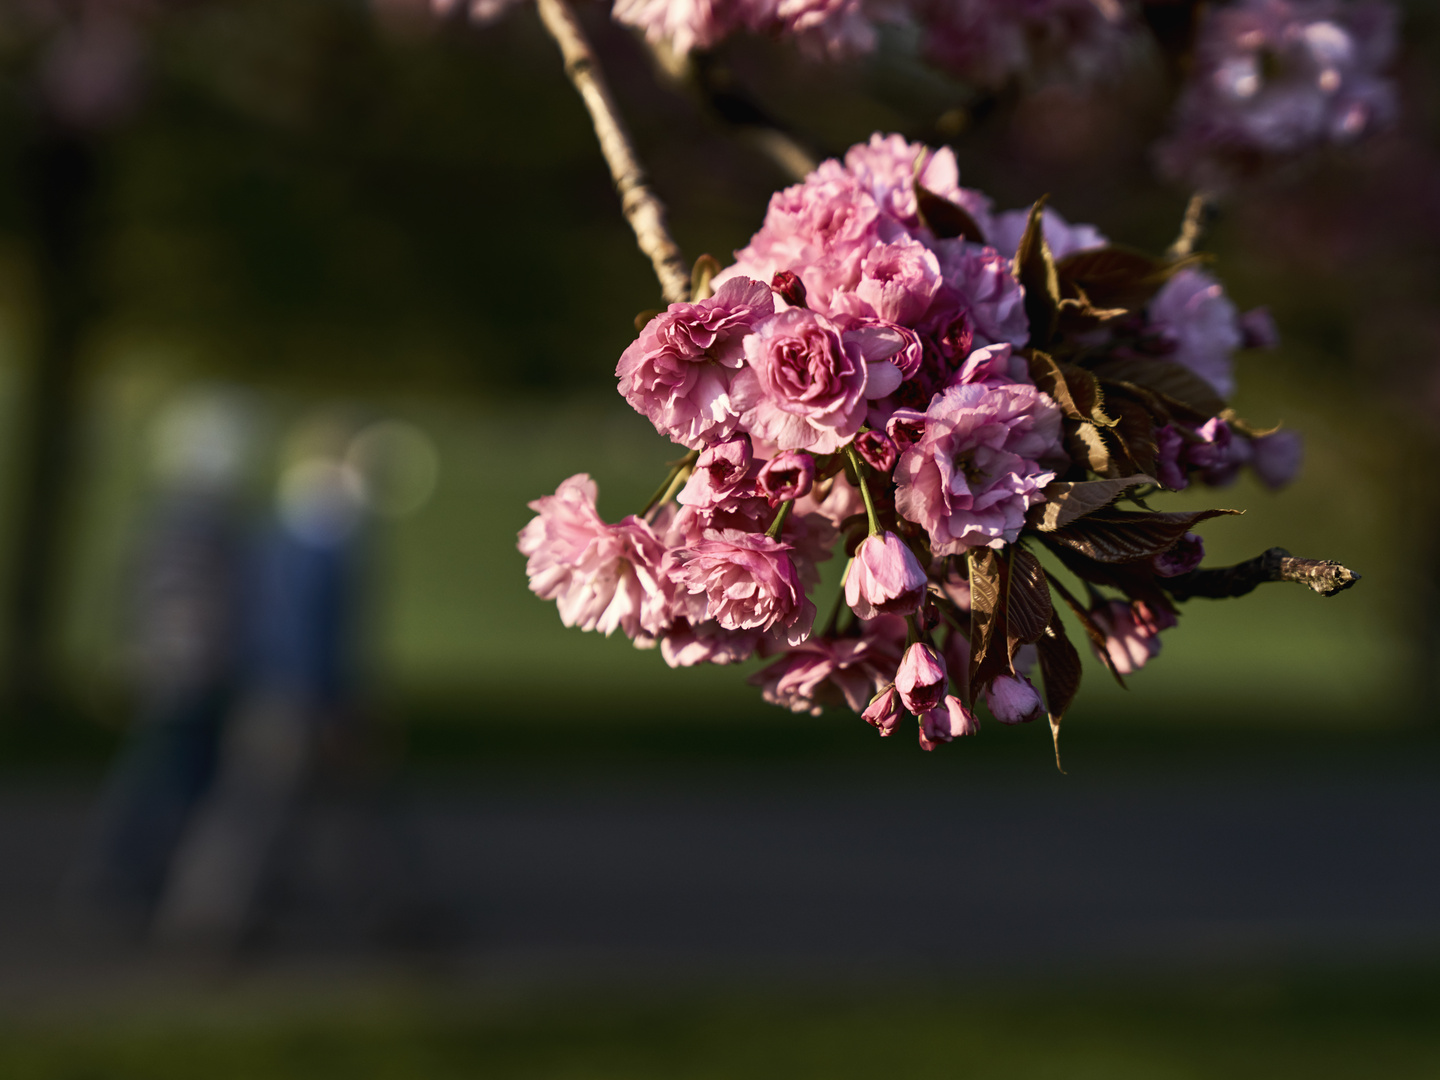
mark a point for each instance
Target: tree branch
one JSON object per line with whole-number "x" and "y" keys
{"x": 1197, "y": 213}
{"x": 642, "y": 208}
{"x": 1277, "y": 564}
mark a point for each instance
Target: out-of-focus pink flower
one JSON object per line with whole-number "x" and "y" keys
{"x": 706, "y": 642}
{"x": 885, "y": 710}
{"x": 1277, "y": 457}
{"x": 1063, "y": 238}
{"x": 802, "y": 388}
{"x": 692, "y": 24}
{"x": 921, "y": 678}
{"x": 886, "y": 167}
{"x": 885, "y": 578}
{"x": 1258, "y": 329}
{"x": 948, "y": 721}
{"x": 988, "y": 43}
{"x": 976, "y": 470}
{"x": 824, "y": 671}
{"x": 678, "y": 372}
{"x": 1273, "y": 79}
{"x": 1217, "y": 452}
{"x": 1132, "y": 632}
{"x": 790, "y": 474}
{"x": 1013, "y": 700}
{"x": 1169, "y": 458}
{"x": 1186, "y": 554}
{"x": 602, "y": 577}
{"x": 1193, "y": 313}
{"x": 749, "y": 583}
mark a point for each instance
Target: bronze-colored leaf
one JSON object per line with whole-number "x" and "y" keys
{"x": 1034, "y": 268}
{"x": 1027, "y": 600}
{"x": 1084, "y": 442}
{"x": 1061, "y": 670}
{"x": 705, "y": 268}
{"x": 1115, "y": 277}
{"x": 985, "y": 606}
{"x": 1067, "y": 502}
{"x": 1175, "y": 381}
{"x": 944, "y": 218}
{"x": 1135, "y": 431}
{"x": 1120, "y": 536}
{"x": 1074, "y": 389}
{"x": 1091, "y": 628}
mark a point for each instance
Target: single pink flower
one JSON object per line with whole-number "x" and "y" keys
{"x": 706, "y": 642}
{"x": 1013, "y": 700}
{"x": 827, "y": 671}
{"x": 975, "y": 470}
{"x": 885, "y": 578}
{"x": 803, "y": 388}
{"x": 723, "y": 472}
{"x": 947, "y": 721}
{"x": 885, "y": 710}
{"x": 1132, "y": 632}
{"x": 921, "y": 678}
{"x": 749, "y": 582}
{"x": 790, "y": 474}
{"x": 602, "y": 577}
{"x": 678, "y": 372}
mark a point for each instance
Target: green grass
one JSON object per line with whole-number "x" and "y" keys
{"x": 1332, "y": 1027}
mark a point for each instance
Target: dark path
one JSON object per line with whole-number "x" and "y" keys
{"x": 813, "y": 870}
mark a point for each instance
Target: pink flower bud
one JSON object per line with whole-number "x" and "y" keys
{"x": 885, "y": 579}
{"x": 1276, "y": 458}
{"x": 884, "y": 710}
{"x": 1183, "y": 556}
{"x": 878, "y": 450}
{"x": 788, "y": 475}
{"x": 790, "y": 288}
{"x": 1013, "y": 700}
{"x": 948, "y": 721}
{"x": 921, "y": 679}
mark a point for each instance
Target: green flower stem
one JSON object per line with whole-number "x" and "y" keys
{"x": 779, "y": 523}
{"x": 874, "y": 518}
{"x": 679, "y": 473}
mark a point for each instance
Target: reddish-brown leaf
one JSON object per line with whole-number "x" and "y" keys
{"x": 1060, "y": 669}
{"x": 1074, "y": 389}
{"x": 1084, "y": 443}
{"x": 1067, "y": 502}
{"x": 1119, "y": 536}
{"x": 1115, "y": 277}
{"x": 944, "y": 218}
{"x": 1027, "y": 600}
{"x": 985, "y": 605}
{"x": 1034, "y": 268}
{"x": 1174, "y": 382}
{"x": 1136, "y": 433}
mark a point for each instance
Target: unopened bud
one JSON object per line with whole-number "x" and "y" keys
{"x": 788, "y": 475}
{"x": 878, "y": 450}
{"x": 885, "y": 710}
{"x": 921, "y": 678}
{"x": 948, "y": 721}
{"x": 790, "y": 288}
{"x": 885, "y": 578}
{"x": 1013, "y": 700}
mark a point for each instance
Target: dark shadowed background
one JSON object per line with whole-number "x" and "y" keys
{"x": 544, "y": 853}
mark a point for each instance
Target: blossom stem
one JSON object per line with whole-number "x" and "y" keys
{"x": 641, "y": 207}
{"x": 779, "y": 523}
{"x": 679, "y": 473}
{"x": 870, "y": 514}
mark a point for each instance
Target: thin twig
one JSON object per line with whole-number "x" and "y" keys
{"x": 1277, "y": 564}
{"x": 642, "y": 208}
{"x": 1197, "y": 213}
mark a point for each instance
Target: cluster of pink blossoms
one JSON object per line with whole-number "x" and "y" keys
{"x": 1275, "y": 78}
{"x": 879, "y": 371}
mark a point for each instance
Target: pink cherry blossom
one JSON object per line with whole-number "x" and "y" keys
{"x": 921, "y": 678}
{"x": 946, "y": 722}
{"x": 885, "y": 710}
{"x": 885, "y": 578}
{"x": 823, "y": 671}
{"x": 976, "y": 470}
{"x": 1193, "y": 313}
{"x": 706, "y": 642}
{"x": 602, "y": 577}
{"x": 1012, "y": 700}
{"x": 679, "y": 371}
{"x": 802, "y": 388}
{"x": 749, "y": 583}
{"x": 1132, "y": 632}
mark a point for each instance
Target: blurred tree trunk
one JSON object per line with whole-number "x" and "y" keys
{"x": 60, "y": 184}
